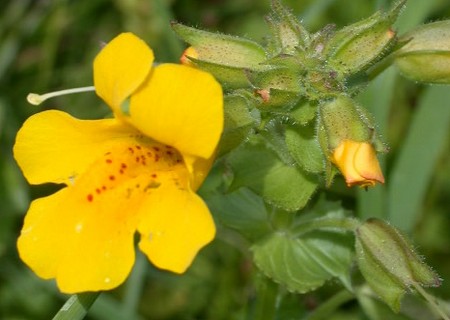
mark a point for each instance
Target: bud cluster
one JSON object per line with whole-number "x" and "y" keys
{"x": 302, "y": 78}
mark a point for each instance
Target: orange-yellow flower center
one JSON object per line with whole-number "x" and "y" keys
{"x": 147, "y": 164}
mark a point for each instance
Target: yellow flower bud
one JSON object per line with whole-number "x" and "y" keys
{"x": 358, "y": 163}
{"x": 190, "y": 52}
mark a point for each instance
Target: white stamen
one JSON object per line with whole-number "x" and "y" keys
{"x": 37, "y": 99}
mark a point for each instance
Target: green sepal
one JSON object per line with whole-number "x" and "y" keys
{"x": 304, "y": 147}
{"x": 282, "y": 78}
{"x": 229, "y": 77}
{"x": 288, "y": 34}
{"x": 282, "y": 185}
{"x": 355, "y": 47}
{"x": 238, "y": 122}
{"x": 303, "y": 112}
{"x": 276, "y": 100}
{"x": 342, "y": 119}
{"x": 426, "y": 55}
{"x": 389, "y": 263}
{"x": 305, "y": 263}
{"x": 222, "y": 49}
{"x": 330, "y": 169}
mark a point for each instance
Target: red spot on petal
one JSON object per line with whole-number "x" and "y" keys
{"x": 131, "y": 150}
{"x": 121, "y": 171}
{"x": 98, "y": 191}
{"x": 103, "y": 188}
{"x": 154, "y": 175}
{"x": 123, "y": 165}
{"x": 156, "y": 148}
{"x": 138, "y": 159}
{"x": 90, "y": 197}
{"x": 111, "y": 177}
{"x": 108, "y": 161}
{"x": 138, "y": 147}
{"x": 169, "y": 153}
{"x": 156, "y": 158}
{"x": 149, "y": 154}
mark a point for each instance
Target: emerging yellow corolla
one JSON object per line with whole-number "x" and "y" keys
{"x": 136, "y": 172}
{"x": 358, "y": 163}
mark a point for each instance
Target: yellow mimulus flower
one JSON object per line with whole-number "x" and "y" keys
{"x": 136, "y": 172}
{"x": 358, "y": 163}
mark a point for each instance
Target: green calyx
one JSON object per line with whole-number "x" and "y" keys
{"x": 389, "y": 263}
{"x": 426, "y": 55}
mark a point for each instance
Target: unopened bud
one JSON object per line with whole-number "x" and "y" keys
{"x": 357, "y": 46}
{"x": 389, "y": 263}
{"x": 426, "y": 55}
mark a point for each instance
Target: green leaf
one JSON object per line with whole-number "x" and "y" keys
{"x": 257, "y": 167}
{"x": 305, "y": 263}
{"x": 304, "y": 148}
{"x": 243, "y": 211}
{"x": 238, "y": 122}
{"x": 416, "y": 161}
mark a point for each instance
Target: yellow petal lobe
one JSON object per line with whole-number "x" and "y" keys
{"x": 120, "y": 68}
{"x": 358, "y": 163}
{"x": 52, "y": 146}
{"x": 173, "y": 231}
{"x": 71, "y": 240}
{"x": 182, "y": 107}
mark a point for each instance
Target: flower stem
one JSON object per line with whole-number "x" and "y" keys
{"x": 345, "y": 224}
{"x": 77, "y": 306}
{"x": 432, "y": 301}
{"x": 265, "y": 306}
{"x": 329, "y": 306}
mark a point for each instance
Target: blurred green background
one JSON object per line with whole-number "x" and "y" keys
{"x": 50, "y": 45}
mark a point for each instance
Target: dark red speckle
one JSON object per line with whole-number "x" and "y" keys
{"x": 108, "y": 161}
{"x": 111, "y": 177}
{"x": 90, "y": 197}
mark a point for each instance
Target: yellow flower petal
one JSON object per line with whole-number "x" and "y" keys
{"x": 358, "y": 163}
{"x": 86, "y": 246}
{"x": 182, "y": 107}
{"x": 200, "y": 169}
{"x": 367, "y": 165}
{"x": 175, "y": 224}
{"x": 52, "y": 146}
{"x": 120, "y": 68}
{"x": 83, "y": 235}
